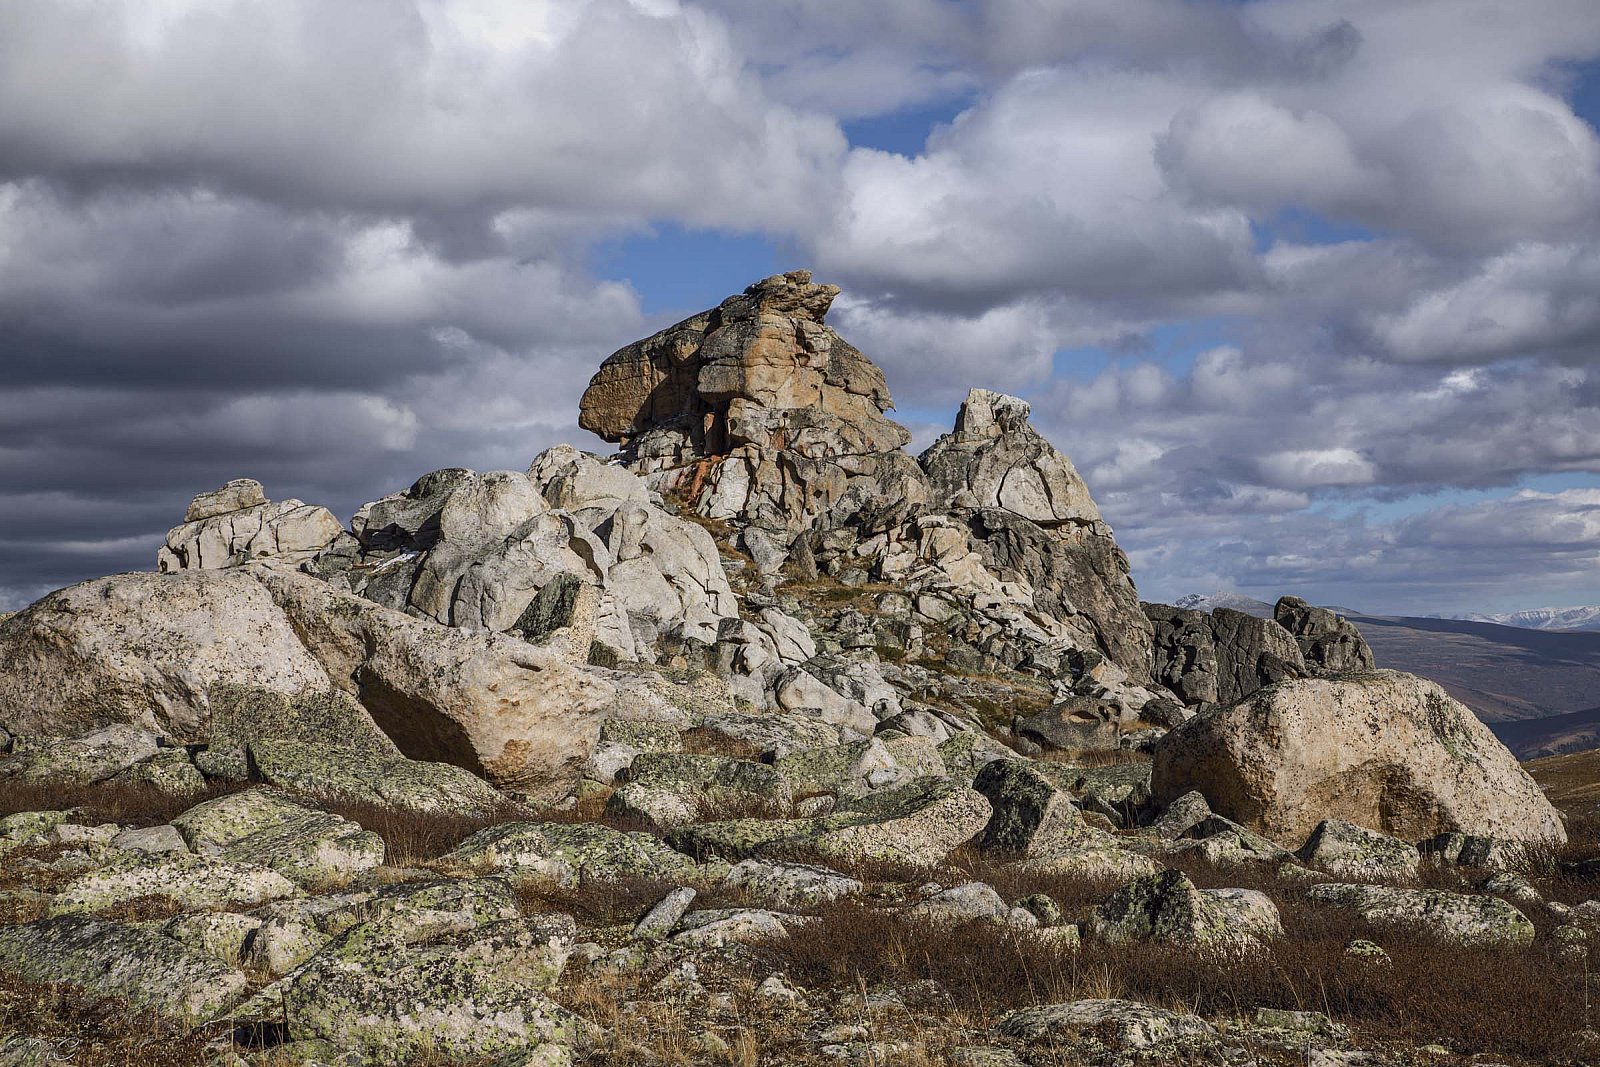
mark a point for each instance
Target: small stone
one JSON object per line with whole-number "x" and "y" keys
{"x": 152, "y": 839}
{"x": 1043, "y": 907}
{"x": 773, "y": 987}
{"x": 661, "y": 919}
{"x": 1367, "y": 952}
{"x": 1305, "y": 1022}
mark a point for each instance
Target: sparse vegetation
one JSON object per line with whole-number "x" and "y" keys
{"x": 130, "y": 804}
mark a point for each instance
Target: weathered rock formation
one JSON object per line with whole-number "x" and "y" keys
{"x": 758, "y": 413}
{"x": 1222, "y": 656}
{"x": 1383, "y": 750}
{"x": 237, "y": 523}
{"x": 774, "y": 645}
{"x": 1032, "y": 521}
{"x": 1329, "y": 643}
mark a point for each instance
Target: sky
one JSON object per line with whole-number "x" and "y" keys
{"x": 1309, "y": 290}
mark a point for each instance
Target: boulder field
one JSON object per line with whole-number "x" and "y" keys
{"x": 762, "y": 653}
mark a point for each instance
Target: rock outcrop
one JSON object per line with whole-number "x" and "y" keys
{"x": 237, "y": 523}
{"x": 758, "y": 413}
{"x": 491, "y": 551}
{"x": 359, "y": 798}
{"x": 1329, "y": 643}
{"x": 1384, "y": 750}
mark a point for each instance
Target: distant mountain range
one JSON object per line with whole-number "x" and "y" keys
{"x": 1536, "y": 687}
{"x": 1579, "y": 618}
{"x": 1237, "y": 601}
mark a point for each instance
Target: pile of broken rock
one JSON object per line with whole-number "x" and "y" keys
{"x": 764, "y": 638}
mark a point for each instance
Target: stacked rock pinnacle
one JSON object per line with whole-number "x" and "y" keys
{"x": 760, "y": 414}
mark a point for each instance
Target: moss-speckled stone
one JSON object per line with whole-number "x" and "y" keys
{"x": 1461, "y": 918}
{"x": 137, "y": 964}
{"x": 264, "y": 827}
{"x": 472, "y": 995}
{"x": 191, "y": 881}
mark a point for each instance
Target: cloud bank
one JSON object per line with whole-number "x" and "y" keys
{"x": 1307, "y": 288}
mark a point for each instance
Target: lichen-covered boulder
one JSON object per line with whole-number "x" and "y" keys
{"x": 570, "y": 852}
{"x": 1167, "y": 907}
{"x": 188, "y": 880}
{"x": 1028, "y": 812}
{"x": 918, "y": 824}
{"x": 789, "y": 885}
{"x": 847, "y": 770}
{"x": 1458, "y": 918}
{"x": 1384, "y": 750}
{"x": 222, "y": 934}
{"x": 292, "y": 931}
{"x": 135, "y": 963}
{"x": 964, "y": 903}
{"x": 670, "y": 789}
{"x": 170, "y": 771}
{"x": 362, "y": 775}
{"x": 518, "y": 715}
{"x": 267, "y": 828}
{"x": 94, "y": 757}
{"x": 1348, "y": 851}
{"x": 146, "y": 650}
{"x": 469, "y": 995}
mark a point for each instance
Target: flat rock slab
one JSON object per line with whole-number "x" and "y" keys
{"x": 1460, "y": 918}
{"x": 137, "y": 964}
{"x": 364, "y": 775}
{"x": 266, "y": 828}
{"x": 292, "y": 931}
{"x": 469, "y": 996}
{"x": 193, "y": 882}
{"x": 571, "y": 852}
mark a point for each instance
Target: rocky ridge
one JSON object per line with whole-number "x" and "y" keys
{"x": 767, "y": 669}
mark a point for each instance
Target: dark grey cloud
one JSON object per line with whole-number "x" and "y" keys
{"x": 333, "y": 246}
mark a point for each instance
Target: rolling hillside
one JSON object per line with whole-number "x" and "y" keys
{"x": 1538, "y": 689}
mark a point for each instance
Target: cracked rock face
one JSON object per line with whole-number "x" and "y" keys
{"x": 996, "y": 459}
{"x": 236, "y": 523}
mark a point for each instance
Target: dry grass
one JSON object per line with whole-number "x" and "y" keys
{"x": 597, "y": 903}
{"x": 701, "y": 741}
{"x": 1525, "y": 1005}
{"x": 1572, "y": 782}
{"x": 413, "y": 837}
{"x": 127, "y": 804}
{"x": 92, "y": 1032}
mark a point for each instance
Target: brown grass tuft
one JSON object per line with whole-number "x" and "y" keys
{"x": 413, "y": 837}
{"x": 93, "y": 1032}
{"x": 131, "y": 804}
